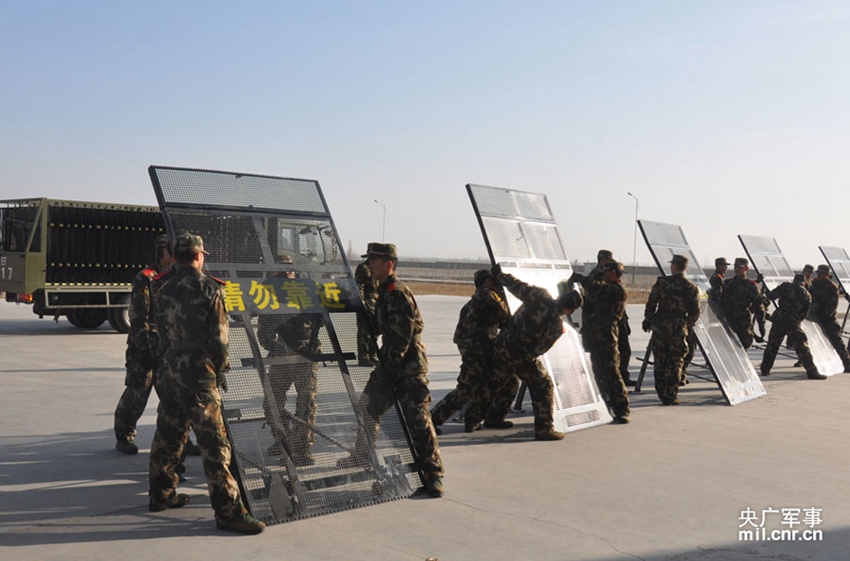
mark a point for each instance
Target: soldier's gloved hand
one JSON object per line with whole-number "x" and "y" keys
{"x": 646, "y": 325}
{"x": 221, "y": 381}
{"x": 496, "y": 271}
{"x": 759, "y": 278}
{"x": 768, "y": 317}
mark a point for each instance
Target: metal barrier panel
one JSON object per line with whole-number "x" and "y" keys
{"x": 769, "y": 261}
{"x": 521, "y": 235}
{"x": 839, "y": 261}
{"x": 726, "y": 357}
{"x": 292, "y": 405}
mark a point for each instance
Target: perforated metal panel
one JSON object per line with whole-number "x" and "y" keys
{"x": 726, "y": 357}
{"x": 839, "y": 261}
{"x": 292, "y": 303}
{"x": 522, "y": 236}
{"x": 768, "y": 260}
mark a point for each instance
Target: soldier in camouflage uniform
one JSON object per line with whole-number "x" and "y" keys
{"x": 808, "y": 271}
{"x": 715, "y": 294}
{"x": 671, "y": 311}
{"x": 824, "y": 306}
{"x": 193, "y": 329}
{"x": 142, "y": 358}
{"x": 608, "y": 296}
{"x": 401, "y": 374}
{"x": 477, "y": 326}
{"x": 531, "y": 331}
{"x": 715, "y": 281}
{"x": 292, "y": 340}
{"x": 603, "y": 256}
{"x": 366, "y": 344}
{"x": 794, "y": 304}
{"x": 742, "y": 301}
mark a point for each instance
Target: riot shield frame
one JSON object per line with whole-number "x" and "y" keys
{"x": 767, "y": 260}
{"x": 249, "y": 222}
{"x": 578, "y": 403}
{"x": 725, "y": 357}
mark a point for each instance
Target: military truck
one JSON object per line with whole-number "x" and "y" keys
{"x": 75, "y": 259}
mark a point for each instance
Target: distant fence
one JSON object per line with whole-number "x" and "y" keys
{"x": 639, "y": 278}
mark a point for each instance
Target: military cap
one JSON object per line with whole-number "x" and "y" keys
{"x": 481, "y": 275}
{"x": 808, "y": 269}
{"x": 189, "y": 243}
{"x": 162, "y": 241}
{"x": 680, "y": 260}
{"x": 377, "y": 249}
{"x": 605, "y": 254}
{"x": 571, "y": 300}
{"x": 614, "y": 266}
{"x": 741, "y": 262}
{"x": 720, "y": 262}
{"x": 823, "y": 269}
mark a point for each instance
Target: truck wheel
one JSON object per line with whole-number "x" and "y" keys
{"x": 87, "y": 318}
{"x": 119, "y": 318}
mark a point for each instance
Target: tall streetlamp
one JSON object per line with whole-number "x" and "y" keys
{"x": 384, "y": 223}
{"x": 634, "y": 247}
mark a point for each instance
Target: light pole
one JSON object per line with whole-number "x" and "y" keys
{"x": 634, "y": 247}
{"x": 384, "y": 223}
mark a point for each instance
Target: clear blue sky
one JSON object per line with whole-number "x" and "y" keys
{"x": 726, "y": 117}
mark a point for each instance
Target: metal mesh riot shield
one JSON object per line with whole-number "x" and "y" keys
{"x": 521, "y": 235}
{"x": 769, "y": 261}
{"x": 726, "y": 357}
{"x": 291, "y": 408}
{"x": 839, "y": 261}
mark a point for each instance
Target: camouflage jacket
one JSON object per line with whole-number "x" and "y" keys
{"x": 367, "y": 286}
{"x": 193, "y": 326}
{"x": 794, "y": 303}
{"x": 537, "y": 323}
{"x": 400, "y": 325}
{"x": 824, "y": 299}
{"x": 287, "y": 334}
{"x": 715, "y": 293}
{"x": 742, "y": 299}
{"x": 143, "y": 333}
{"x": 609, "y": 303}
{"x": 673, "y": 305}
{"x": 480, "y": 320}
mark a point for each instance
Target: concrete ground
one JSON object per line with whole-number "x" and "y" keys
{"x": 677, "y": 483}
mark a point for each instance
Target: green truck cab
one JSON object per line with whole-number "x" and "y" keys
{"x": 75, "y": 259}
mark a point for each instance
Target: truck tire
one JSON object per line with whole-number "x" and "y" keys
{"x": 87, "y": 318}
{"x": 119, "y": 318}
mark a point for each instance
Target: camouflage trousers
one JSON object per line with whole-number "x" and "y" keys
{"x": 367, "y": 354}
{"x": 778, "y": 331}
{"x": 605, "y": 359}
{"x": 625, "y": 349}
{"x": 668, "y": 351}
{"x": 833, "y": 333}
{"x": 509, "y": 365}
{"x": 139, "y": 382}
{"x": 201, "y": 408}
{"x": 692, "y": 347}
{"x": 410, "y": 389}
{"x": 294, "y": 430}
{"x": 474, "y": 368}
